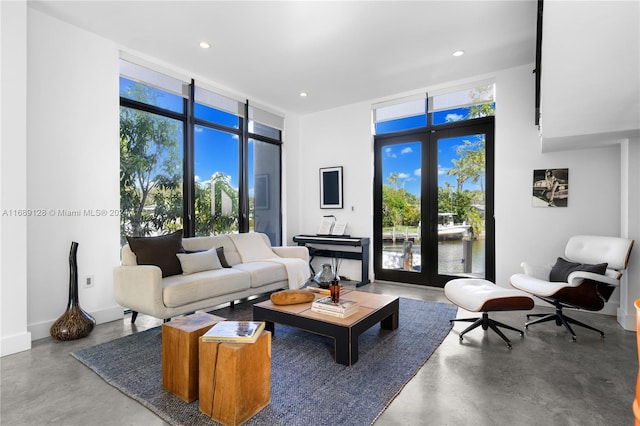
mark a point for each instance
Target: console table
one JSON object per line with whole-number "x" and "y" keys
{"x": 310, "y": 241}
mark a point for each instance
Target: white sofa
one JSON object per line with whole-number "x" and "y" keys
{"x": 254, "y": 268}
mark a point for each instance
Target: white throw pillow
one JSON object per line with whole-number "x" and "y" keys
{"x": 200, "y": 261}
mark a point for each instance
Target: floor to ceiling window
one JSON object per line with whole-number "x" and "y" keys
{"x": 195, "y": 160}
{"x": 433, "y": 187}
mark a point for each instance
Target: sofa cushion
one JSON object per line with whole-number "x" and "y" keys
{"x": 199, "y": 261}
{"x": 159, "y": 251}
{"x": 181, "y": 290}
{"x": 252, "y": 246}
{"x": 263, "y": 272}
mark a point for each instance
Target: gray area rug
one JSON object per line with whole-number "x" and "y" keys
{"x": 307, "y": 386}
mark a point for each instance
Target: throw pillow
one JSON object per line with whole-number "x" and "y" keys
{"x": 199, "y": 261}
{"x": 223, "y": 260}
{"x": 159, "y": 251}
{"x": 562, "y": 268}
{"x": 220, "y": 251}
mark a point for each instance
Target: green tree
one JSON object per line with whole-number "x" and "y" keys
{"x": 150, "y": 170}
{"x": 479, "y": 110}
{"x": 218, "y": 220}
{"x": 393, "y": 179}
{"x": 399, "y": 207}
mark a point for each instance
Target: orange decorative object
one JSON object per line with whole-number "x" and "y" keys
{"x": 636, "y": 403}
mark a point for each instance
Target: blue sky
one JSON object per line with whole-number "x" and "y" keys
{"x": 404, "y": 159}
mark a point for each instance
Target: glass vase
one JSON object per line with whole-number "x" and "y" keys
{"x": 325, "y": 276}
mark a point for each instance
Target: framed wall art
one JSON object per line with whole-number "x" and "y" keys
{"x": 550, "y": 188}
{"x": 331, "y": 187}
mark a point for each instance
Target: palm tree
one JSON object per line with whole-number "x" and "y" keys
{"x": 393, "y": 179}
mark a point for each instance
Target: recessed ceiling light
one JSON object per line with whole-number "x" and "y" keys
{"x": 303, "y": 94}
{"x": 204, "y": 45}
{"x": 458, "y": 53}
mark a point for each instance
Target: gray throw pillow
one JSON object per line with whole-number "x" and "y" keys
{"x": 201, "y": 261}
{"x": 562, "y": 268}
{"x": 220, "y": 251}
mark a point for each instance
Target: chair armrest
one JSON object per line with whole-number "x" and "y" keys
{"x": 139, "y": 288}
{"x": 537, "y": 271}
{"x": 575, "y": 278}
{"x": 534, "y": 285}
{"x": 301, "y": 252}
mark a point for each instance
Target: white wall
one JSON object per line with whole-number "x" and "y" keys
{"x": 336, "y": 137}
{"x": 590, "y": 71}
{"x": 73, "y": 165}
{"x": 14, "y": 336}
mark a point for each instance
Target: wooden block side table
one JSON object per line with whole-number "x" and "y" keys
{"x": 180, "y": 353}
{"x": 235, "y": 379}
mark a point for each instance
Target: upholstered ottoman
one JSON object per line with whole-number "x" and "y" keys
{"x": 478, "y": 295}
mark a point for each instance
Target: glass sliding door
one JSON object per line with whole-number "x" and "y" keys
{"x": 433, "y": 205}
{"x": 398, "y": 205}
{"x": 462, "y": 225}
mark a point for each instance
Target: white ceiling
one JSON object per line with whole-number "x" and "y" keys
{"x": 340, "y": 52}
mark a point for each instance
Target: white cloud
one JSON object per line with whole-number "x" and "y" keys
{"x": 453, "y": 117}
{"x": 403, "y": 176}
{"x": 406, "y": 150}
{"x": 389, "y": 152}
{"x": 417, "y": 172}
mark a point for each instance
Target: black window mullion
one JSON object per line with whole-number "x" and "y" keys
{"x": 243, "y": 190}
{"x": 189, "y": 190}
{"x": 128, "y": 103}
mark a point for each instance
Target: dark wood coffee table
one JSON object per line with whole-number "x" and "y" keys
{"x": 374, "y": 308}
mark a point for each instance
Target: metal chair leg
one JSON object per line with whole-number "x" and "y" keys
{"x": 487, "y": 323}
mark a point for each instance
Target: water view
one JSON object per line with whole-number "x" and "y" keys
{"x": 451, "y": 257}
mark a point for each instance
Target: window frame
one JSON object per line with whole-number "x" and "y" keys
{"x": 189, "y": 121}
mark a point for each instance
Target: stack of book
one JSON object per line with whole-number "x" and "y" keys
{"x": 234, "y": 332}
{"x": 342, "y": 309}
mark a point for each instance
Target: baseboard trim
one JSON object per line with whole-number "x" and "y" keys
{"x": 42, "y": 329}
{"x": 16, "y": 343}
{"x": 627, "y": 321}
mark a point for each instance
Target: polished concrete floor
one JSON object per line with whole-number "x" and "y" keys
{"x": 546, "y": 379}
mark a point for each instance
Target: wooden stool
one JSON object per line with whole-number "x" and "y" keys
{"x": 478, "y": 295}
{"x": 235, "y": 379}
{"x": 180, "y": 353}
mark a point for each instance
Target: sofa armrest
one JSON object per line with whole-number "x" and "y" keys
{"x": 139, "y": 288}
{"x": 301, "y": 252}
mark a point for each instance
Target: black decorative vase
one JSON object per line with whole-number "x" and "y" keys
{"x": 74, "y": 323}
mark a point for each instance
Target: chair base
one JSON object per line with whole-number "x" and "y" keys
{"x": 487, "y": 323}
{"x": 561, "y": 319}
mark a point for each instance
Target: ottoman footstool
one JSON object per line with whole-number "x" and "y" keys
{"x": 478, "y": 295}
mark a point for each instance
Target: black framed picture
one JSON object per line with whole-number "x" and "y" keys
{"x": 331, "y": 187}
